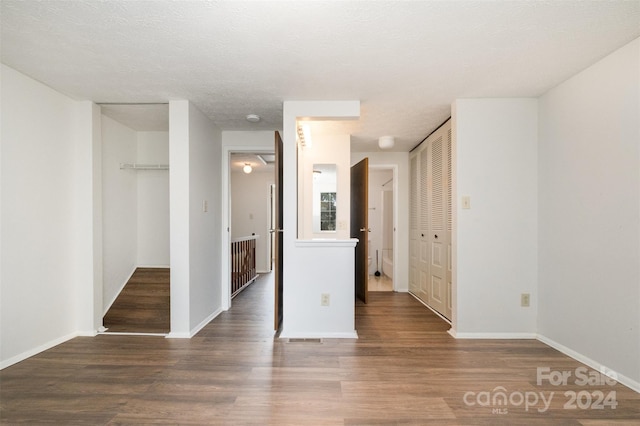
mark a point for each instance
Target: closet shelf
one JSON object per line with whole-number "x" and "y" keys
{"x": 137, "y": 166}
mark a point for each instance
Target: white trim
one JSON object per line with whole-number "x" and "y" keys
{"x": 225, "y": 214}
{"x": 496, "y": 335}
{"x": 326, "y": 242}
{"x": 131, "y": 333}
{"x": 154, "y": 266}
{"x": 620, "y": 378}
{"x": 432, "y": 310}
{"x": 322, "y": 335}
{"x": 105, "y": 310}
{"x": 396, "y": 209}
{"x": 176, "y": 335}
{"x": 31, "y": 352}
{"x": 195, "y": 330}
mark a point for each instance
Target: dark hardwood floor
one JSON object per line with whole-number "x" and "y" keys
{"x": 404, "y": 369}
{"x": 143, "y": 305}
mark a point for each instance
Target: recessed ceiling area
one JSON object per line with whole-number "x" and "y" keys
{"x": 259, "y": 162}
{"x": 405, "y": 61}
{"x": 139, "y": 117}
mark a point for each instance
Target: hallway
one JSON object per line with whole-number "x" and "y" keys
{"x": 404, "y": 369}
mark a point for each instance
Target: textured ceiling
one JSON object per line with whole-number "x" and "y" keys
{"x": 405, "y": 61}
{"x": 239, "y": 159}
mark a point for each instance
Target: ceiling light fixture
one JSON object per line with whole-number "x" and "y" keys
{"x": 253, "y": 118}
{"x": 247, "y": 168}
{"x": 386, "y": 142}
{"x": 304, "y": 135}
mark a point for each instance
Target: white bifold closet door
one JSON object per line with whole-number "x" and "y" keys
{"x": 414, "y": 234}
{"x": 449, "y": 183}
{"x": 436, "y": 237}
{"x": 423, "y": 215}
{"x": 430, "y": 221}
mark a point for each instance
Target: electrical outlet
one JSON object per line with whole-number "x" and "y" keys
{"x": 466, "y": 202}
{"x": 524, "y": 300}
{"x": 325, "y": 299}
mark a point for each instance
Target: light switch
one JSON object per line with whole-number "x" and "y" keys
{"x": 466, "y": 202}
{"x": 205, "y": 206}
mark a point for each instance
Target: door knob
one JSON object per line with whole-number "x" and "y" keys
{"x": 364, "y": 230}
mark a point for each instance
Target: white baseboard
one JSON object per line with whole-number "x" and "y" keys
{"x": 498, "y": 335}
{"x": 126, "y": 281}
{"x": 176, "y": 335}
{"x": 196, "y": 329}
{"x": 204, "y": 322}
{"x": 104, "y": 312}
{"x": 620, "y": 378}
{"x": 131, "y": 333}
{"x": 431, "y": 309}
{"x": 34, "y": 351}
{"x": 315, "y": 335}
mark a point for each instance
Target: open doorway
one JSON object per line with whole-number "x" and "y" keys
{"x": 381, "y": 211}
{"x": 249, "y": 203}
{"x": 135, "y": 218}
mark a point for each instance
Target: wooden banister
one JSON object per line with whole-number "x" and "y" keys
{"x": 243, "y": 263}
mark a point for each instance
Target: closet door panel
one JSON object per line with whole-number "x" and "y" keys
{"x": 423, "y": 224}
{"x": 449, "y": 224}
{"x": 437, "y": 204}
{"x": 430, "y": 221}
{"x": 414, "y": 245}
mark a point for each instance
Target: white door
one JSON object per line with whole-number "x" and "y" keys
{"x": 423, "y": 227}
{"x": 414, "y": 240}
{"x": 437, "y": 237}
{"x": 448, "y": 305}
{"x": 430, "y": 221}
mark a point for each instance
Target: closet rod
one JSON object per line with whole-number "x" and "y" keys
{"x": 435, "y": 130}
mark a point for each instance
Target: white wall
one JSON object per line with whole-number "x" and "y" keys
{"x": 194, "y": 151}
{"x": 589, "y": 213}
{"x": 303, "y": 287}
{"x": 88, "y": 218}
{"x": 495, "y": 248}
{"x": 205, "y": 141}
{"x": 250, "y": 204}
{"x": 119, "y": 204}
{"x": 326, "y": 149}
{"x": 399, "y": 162}
{"x": 39, "y": 282}
{"x": 153, "y": 200}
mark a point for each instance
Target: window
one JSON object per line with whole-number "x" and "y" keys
{"x": 327, "y": 211}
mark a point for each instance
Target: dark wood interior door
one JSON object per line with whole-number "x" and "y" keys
{"x": 278, "y": 235}
{"x": 360, "y": 225}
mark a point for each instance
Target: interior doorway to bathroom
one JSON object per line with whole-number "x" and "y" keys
{"x": 381, "y": 225}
